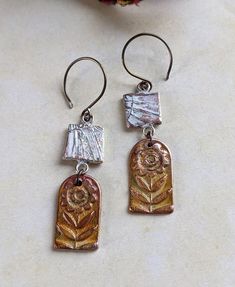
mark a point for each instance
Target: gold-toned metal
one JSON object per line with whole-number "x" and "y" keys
{"x": 77, "y": 225}
{"x": 150, "y": 178}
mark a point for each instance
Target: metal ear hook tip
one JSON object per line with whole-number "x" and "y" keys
{"x": 138, "y": 77}
{"x": 70, "y": 105}
{"x": 86, "y": 111}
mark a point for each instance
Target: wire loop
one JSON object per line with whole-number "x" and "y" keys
{"x": 138, "y": 77}
{"x": 86, "y": 114}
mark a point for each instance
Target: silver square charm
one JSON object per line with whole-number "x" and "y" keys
{"x": 142, "y": 109}
{"x": 85, "y": 142}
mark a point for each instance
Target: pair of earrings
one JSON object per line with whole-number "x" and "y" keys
{"x": 150, "y": 169}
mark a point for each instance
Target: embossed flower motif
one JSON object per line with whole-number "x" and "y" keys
{"x": 151, "y": 160}
{"x": 78, "y": 198}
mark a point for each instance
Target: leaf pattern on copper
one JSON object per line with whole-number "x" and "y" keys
{"x": 151, "y": 183}
{"x": 86, "y": 234}
{"x": 164, "y": 209}
{"x": 86, "y": 220}
{"x": 65, "y": 243}
{"x": 140, "y": 196}
{"x": 150, "y": 178}
{"x": 159, "y": 183}
{"x": 159, "y": 198}
{"x": 139, "y": 207}
{"x": 69, "y": 218}
{"x": 144, "y": 182}
{"x": 67, "y": 231}
{"x": 78, "y": 214}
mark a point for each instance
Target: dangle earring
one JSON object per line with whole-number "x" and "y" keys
{"x": 77, "y": 224}
{"x": 150, "y": 168}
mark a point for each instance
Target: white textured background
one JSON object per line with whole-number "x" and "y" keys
{"x": 195, "y": 246}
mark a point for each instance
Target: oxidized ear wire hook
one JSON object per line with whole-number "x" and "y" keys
{"x": 146, "y": 84}
{"x": 86, "y": 115}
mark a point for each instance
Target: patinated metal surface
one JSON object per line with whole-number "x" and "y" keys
{"x": 85, "y": 142}
{"x": 142, "y": 109}
{"x": 77, "y": 224}
{"x": 150, "y": 178}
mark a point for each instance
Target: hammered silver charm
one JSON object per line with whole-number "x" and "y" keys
{"x": 142, "y": 109}
{"x": 85, "y": 142}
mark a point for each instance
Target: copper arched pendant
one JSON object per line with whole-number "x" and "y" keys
{"x": 77, "y": 224}
{"x": 150, "y": 178}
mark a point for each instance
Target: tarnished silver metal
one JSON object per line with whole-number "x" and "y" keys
{"x": 143, "y": 87}
{"x": 87, "y": 116}
{"x": 85, "y": 143}
{"x": 149, "y": 130}
{"x": 82, "y": 168}
{"x": 142, "y": 109}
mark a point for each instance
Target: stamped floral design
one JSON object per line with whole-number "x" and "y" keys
{"x": 78, "y": 198}
{"x": 150, "y": 178}
{"x": 78, "y": 214}
{"x": 150, "y": 160}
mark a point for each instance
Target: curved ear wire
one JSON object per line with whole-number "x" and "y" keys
{"x": 145, "y": 81}
{"x": 86, "y": 112}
